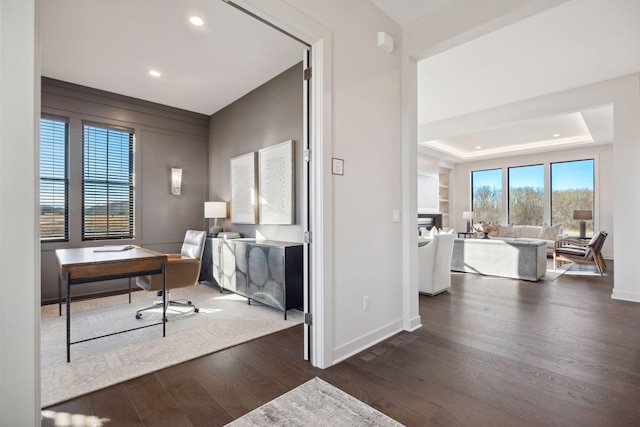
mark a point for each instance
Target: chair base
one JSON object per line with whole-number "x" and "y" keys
{"x": 169, "y": 303}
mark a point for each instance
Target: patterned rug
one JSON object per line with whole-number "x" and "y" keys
{"x": 224, "y": 320}
{"x": 315, "y": 403}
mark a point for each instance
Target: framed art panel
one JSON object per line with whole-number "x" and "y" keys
{"x": 243, "y": 189}
{"x": 276, "y": 183}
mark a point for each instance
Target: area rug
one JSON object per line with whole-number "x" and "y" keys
{"x": 554, "y": 272}
{"x": 224, "y": 320}
{"x": 315, "y": 403}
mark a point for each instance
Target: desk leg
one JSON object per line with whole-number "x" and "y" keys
{"x": 164, "y": 299}
{"x": 59, "y": 295}
{"x": 129, "y": 290}
{"x": 68, "y": 318}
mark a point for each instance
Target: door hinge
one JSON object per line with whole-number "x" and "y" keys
{"x": 307, "y": 155}
{"x": 307, "y": 237}
{"x": 306, "y": 74}
{"x": 308, "y": 319}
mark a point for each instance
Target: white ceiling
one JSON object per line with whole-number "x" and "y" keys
{"x": 112, "y": 45}
{"x": 576, "y": 43}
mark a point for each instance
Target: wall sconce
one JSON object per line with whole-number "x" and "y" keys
{"x": 582, "y": 215}
{"x": 468, "y": 215}
{"x": 176, "y": 181}
{"x": 215, "y": 210}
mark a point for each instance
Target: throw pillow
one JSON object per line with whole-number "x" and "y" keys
{"x": 506, "y": 231}
{"x": 549, "y": 232}
{"x": 433, "y": 232}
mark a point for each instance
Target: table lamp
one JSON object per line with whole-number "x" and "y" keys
{"x": 468, "y": 215}
{"x": 215, "y": 210}
{"x": 582, "y": 215}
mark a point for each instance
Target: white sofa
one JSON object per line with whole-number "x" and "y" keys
{"x": 530, "y": 233}
{"x": 516, "y": 258}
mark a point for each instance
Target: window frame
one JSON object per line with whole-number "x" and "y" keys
{"x": 131, "y": 183}
{"x": 544, "y": 190}
{"x": 66, "y": 121}
{"x": 593, "y": 172}
{"x": 502, "y": 177}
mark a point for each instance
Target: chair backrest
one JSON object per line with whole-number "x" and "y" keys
{"x": 193, "y": 244}
{"x": 596, "y": 245}
{"x": 442, "y": 262}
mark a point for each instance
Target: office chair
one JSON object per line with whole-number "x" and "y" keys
{"x": 182, "y": 270}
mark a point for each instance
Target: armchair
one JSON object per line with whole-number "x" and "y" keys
{"x": 581, "y": 252}
{"x": 434, "y": 264}
{"x": 182, "y": 270}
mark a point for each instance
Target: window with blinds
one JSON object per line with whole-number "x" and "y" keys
{"x": 107, "y": 183}
{"x": 54, "y": 180}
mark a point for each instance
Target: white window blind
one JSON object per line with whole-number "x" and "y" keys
{"x": 54, "y": 183}
{"x": 107, "y": 183}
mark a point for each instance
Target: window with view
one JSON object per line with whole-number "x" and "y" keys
{"x": 54, "y": 183}
{"x": 486, "y": 195}
{"x": 572, "y": 188}
{"x": 107, "y": 183}
{"x": 526, "y": 195}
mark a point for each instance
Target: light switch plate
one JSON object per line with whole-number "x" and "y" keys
{"x": 337, "y": 166}
{"x": 396, "y": 215}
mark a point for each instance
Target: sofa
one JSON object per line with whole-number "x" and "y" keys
{"x": 530, "y": 233}
{"x": 517, "y": 258}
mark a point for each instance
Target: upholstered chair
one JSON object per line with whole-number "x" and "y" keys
{"x": 581, "y": 252}
{"x": 434, "y": 264}
{"x": 182, "y": 270}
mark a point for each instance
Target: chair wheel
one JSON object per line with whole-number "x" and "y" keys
{"x": 138, "y": 316}
{"x": 196, "y": 310}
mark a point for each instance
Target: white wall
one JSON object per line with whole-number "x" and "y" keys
{"x": 366, "y": 252}
{"x": 19, "y": 249}
{"x": 603, "y": 155}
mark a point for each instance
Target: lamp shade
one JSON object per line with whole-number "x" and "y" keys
{"x": 215, "y": 209}
{"x": 582, "y": 214}
{"x": 467, "y": 215}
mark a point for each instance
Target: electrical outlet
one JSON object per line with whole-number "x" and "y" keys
{"x": 365, "y": 303}
{"x": 396, "y": 215}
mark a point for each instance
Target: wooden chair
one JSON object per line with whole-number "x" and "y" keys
{"x": 581, "y": 252}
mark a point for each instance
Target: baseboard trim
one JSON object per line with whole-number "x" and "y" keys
{"x": 413, "y": 324}
{"x": 360, "y": 344}
{"x": 626, "y": 296}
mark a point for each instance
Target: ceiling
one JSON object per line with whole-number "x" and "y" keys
{"x": 205, "y": 68}
{"x": 112, "y": 45}
{"x": 573, "y": 44}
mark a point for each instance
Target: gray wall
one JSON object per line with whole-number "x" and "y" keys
{"x": 266, "y": 116}
{"x": 165, "y": 137}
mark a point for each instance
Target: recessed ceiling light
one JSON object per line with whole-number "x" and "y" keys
{"x": 555, "y": 135}
{"x": 196, "y": 20}
{"x": 478, "y": 147}
{"x": 154, "y": 73}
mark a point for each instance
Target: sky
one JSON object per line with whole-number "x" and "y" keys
{"x": 564, "y": 176}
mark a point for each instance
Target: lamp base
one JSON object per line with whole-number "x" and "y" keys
{"x": 214, "y": 230}
{"x": 583, "y": 226}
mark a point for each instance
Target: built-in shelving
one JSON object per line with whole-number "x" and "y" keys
{"x": 443, "y": 196}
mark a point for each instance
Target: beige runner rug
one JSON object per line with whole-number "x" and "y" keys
{"x": 224, "y": 320}
{"x": 315, "y": 403}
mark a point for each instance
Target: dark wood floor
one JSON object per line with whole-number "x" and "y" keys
{"x": 491, "y": 352}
